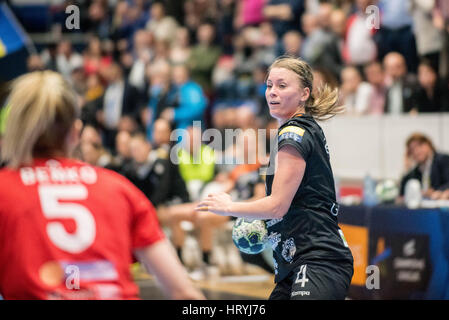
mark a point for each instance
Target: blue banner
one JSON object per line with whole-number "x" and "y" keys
{"x": 12, "y": 37}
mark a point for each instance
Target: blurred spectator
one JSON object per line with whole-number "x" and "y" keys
{"x": 331, "y": 55}
{"x": 161, "y": 135}
{"x": 162, "y": 26}
{"x": 66, "y": 59}
{"x": 95, "y": 154}
{"x": 35, "y": 63}
{"x": 161, "y": 141}
{"x": 94, "y": 87}
{"x": 120, "y": 99}
{"x": 121, "y": 162}
{"x": 400, "y": 84}
{"x": 359, "y": 47}
{"x": 79, "y": 82}
{"x": 431, "y": 94}
{"x": 429, "y": 40}
{"x": 91, "y": 148}
{"x": 441, "y": 22}
{"x": 198, "y": 11}
{"x": 396, "y": 31}
{"x": 161, "y": 95}
{"x": 180, "y": 48}
{"x": 355, "y": 93}
{"x": 285, "y": 15}
{"x": 248, "y": 13}
{"x": 291, "y": 42}
{"x": 196, "y": 162}
{"x": 375, "y": 76}
{"x": 321, "y": 77}
{"x": 98, "y": 19}
{"x": 143, "y": 52}
{"x": 94, "y": 58}
{"x": 431, "y": 167}
{"x": 149, "y": 170}
{"x": 203, "y": 57}
{"x": 191, "y": 101}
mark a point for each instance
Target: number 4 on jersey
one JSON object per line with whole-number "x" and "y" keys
{"x": 302, "y": 272}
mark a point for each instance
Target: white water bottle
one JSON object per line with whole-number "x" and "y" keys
{"x": 412, "y": 194}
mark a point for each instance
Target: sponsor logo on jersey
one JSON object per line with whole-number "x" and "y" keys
{"x": 291, "y": 132}
{"x": 272, "y": 222}
{"x": 288, "y": 249}
{"x": 274, "y": 238}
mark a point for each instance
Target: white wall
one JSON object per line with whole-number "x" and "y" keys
{"x": 376, "y": 144}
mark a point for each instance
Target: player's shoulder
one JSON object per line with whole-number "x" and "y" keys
{"x": 297, "y": 126}
{"x": 104, "y": 175}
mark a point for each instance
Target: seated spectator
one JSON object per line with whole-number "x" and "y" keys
{"x": 291, "y": 41}
{"x": 95, "y": 154}
{"x": 248, "y": 13}
{"x": 284, "y": 15}
{"x": 429, "y": 40}
{"x": 123, "y": 159}
{"x": 142, "y": 53}
{"x": 35, "y": 63}
{"x": 396, "y": 31}
{"x": 375, "y": 76}
{"x": 67, "y": 59}
{"x": 180, "y": 48}
{"x": 315, "y": 40}
{"x": 161, "y": 141}
{"x": 432, "y": 93}
{"x": 359, "y": 46}
{"x": 197, "y": 169}
{"x": 203, "y": 57}
{"x": 94, "y": 58}
{"x": 94, "y": 88}
{"x": 355, "y": 93}
{"x": 161, "y": 95}
{"x": 400, "y": 84}
{"x": 196, "y": 162}
{"x": 162, "y": 26}
{"x": 191, "y": 101}
{"x": 149, "y": 170}
{"x": 120, "y": 99}
{"x": 431, "y": 168}
{"x": 331, "y": 59}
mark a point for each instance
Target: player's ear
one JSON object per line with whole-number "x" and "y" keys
{"x": 74, "y": 135}
{"x": 304, "y": 95}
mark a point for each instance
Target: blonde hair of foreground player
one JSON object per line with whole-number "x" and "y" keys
{"x": 288, "y": 92}
{"x": 43, "y": 123}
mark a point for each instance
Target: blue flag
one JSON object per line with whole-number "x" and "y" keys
{"x": 12, "y": 36}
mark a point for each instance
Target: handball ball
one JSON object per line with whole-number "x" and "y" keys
{"x": 387, "y": 191}
{"x": 249, "y": 235}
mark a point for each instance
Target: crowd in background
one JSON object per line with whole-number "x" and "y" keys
{"x": 150, "y": 67}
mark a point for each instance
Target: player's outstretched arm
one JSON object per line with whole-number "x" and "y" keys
{"x": 160, "y": 259}
{"x": 288, "y": 177}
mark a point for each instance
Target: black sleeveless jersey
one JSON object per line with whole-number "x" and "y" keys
{"x": 309, "y": 230}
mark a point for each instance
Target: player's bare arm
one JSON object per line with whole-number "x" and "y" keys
{"x": 289, "y": 174}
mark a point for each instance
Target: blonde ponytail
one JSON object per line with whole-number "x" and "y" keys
{"x": 42, "y": 111}
{"x": 325, "y": 105}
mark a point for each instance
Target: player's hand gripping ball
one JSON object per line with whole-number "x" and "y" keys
{"x": 249, "y": 235}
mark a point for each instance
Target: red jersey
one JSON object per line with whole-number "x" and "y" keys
{"x": 68, "y": 230}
